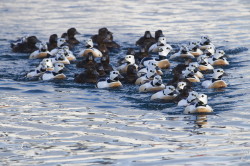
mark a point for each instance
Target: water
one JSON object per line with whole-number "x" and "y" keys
{"x": 64, "y": 123}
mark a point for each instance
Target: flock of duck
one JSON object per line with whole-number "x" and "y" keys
{"x": 144, "y": 69}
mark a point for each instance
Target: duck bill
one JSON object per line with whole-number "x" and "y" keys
{"x": 77, "y": 33}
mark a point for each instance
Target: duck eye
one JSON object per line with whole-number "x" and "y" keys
{"x": 129, "y": 57}
{"x": 151, "y": 71}
{"x": 218, "y": 70}
{"x": 202, "y": 95}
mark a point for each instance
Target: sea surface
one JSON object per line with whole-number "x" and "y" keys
{"x": 47, "y": 123}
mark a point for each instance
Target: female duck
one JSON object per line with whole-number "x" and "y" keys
{"x": 167, "y": 94}
{"x": 216, "y": 82}
{"x": 90, "y": 75}
{"x": 154, "y": 85}
{"x": 55, "y": 74}
{"x": 111, "y": 82}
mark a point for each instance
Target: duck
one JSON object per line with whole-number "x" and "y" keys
{"x": 52, "y": 44}
{"x": 151, "y": 72}
{"x": 194, "y": 66}
{"x": 190, "y": 100}
{"x": 68, "y": 54}
{"x": 216, "y": 81}
{"x": 162, "y": 61}
{"x": 200, "y": 107}
{"x": 71, "y": 40}
{"x": 204, "y": 64}
{"x": 88, "y": 61}
{"x": 111, "y": 82}
{"x": 102, "y": 33}
{"x": 131, "y": 75}
{"x": 90, "y": 48}
{"x": 60, "y": 43}
{"x": 162, "y": 42}
{"x": 45, "y": 65}
{"x": 150, "y": 64}
{"x": 55, "y": 74}
{"x": 182, "y": 89}
{"x": 218, "y": 59}
{"x": 41, "y": 53}
{"x": 146, "y": 41}
{"x": 100, "y": 70}
{"x": 205, "y": 42}
{"x": 188, "y": 73}
{"x": 128, "y": 60}
{"x": 194, "y": 48}
{"x": 60, "y": 58}
{"x": 154, "y": 85}
{"x": 25, "y": 45}
{"x": 182, "y": 53}
{"x": 105, "y": 62}
{"x": 167, "y": 94}
{"x": 89, "y": 75}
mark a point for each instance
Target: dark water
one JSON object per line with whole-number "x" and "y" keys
{"x": 64, "y": 123}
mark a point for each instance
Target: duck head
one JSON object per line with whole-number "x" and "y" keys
{"x": 157, "y": 80}
{"x": 210, "y": 50}
{"x": 193, "y": 45}
{"x": 164, "y": 50}
{"x": 181, "y": 85}
{"x": 151, "y": 72}
{"x": 192, "y": 96}
{"x": 130, "y": 59}
{"x": 147, "y": 35}
{"x": 158, "y": 33}
{"x": 47, "y": 64}
{"x": 53, "y": 39}
{"x": 115, "y": 76}
{"x": 72, "y": 32}
{"x": 161, "y": 40}
{"x": 43, "y": 47}
{"x": 58, "y": 67}
{"x": 218, "y": 73}
{"x": 202, "y": 99}
{"x": 218, "y": 54}
{"x": 61, "y": 42}
{"x": 169, "y": 90}
{"x": 60, "y": 56}
{"x": 89, "y": 43}
{"x": 32, "y": 40}
{"x": 205, "y": 40}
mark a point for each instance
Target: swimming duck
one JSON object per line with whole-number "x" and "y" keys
{"x": 149, "y": 64}
{"x": 45, "y": 65}
{"x": 194, "y": 48}
{"x": 102, "y": 33}
{"x": 55, "y": 74}
{"x": 204, "y": 64}
{"x": 195, "y": 66}
{"x": 25, "y": 45}
{"x": 131, "y": 76}
{"x": 151, "y": 72}
{"x": 111, "y": 82}
{"x": 71, "y": 40}
{"x": 68, "y": 54}
{"x": 188, "y": 73}
{"x": 89, "y": 75}
{"x": 190, "y": 100}
{"x": 182, "y": 53}
{"x": 205, "y": 42}
{"x": 52, "y": 42}
{"x": 88, "y": 61}
{"x": 105, "y": 63}
{"x": 100, "y": 70}
{"x": 60, "y": 58}
{"x": 218, "y": 59}
{"x": 90, "y": 48}
{"x": 60, "y": 43}
{"x": 167, "y": 94}
{"x": 146, "y": 41}
{"x": 216, "y": 82}
{"x": 200, "y": 107}
{"x": 42, "y": 52}
{"x": 154, "y": 85}
{"x": 128, "y": 60}
{"x": 161, "y": 43}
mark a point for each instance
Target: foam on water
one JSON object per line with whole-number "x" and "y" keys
{"x": 64, "y": 123}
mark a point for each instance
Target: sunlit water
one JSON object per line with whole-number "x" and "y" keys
{"x": 64, "y": 123}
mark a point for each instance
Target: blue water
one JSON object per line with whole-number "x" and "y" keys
{"x": 65, "y": 123}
